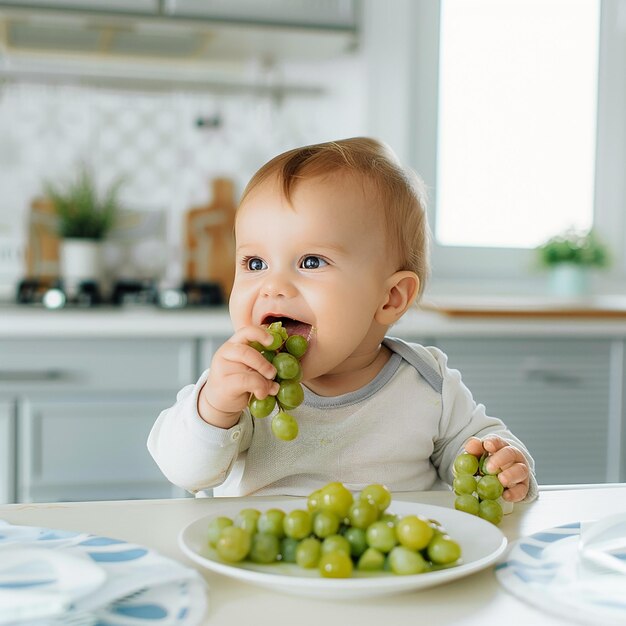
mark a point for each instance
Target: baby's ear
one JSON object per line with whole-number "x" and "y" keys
{"x": 400, "y": 292}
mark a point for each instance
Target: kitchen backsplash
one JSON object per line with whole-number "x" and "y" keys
{"x": 167, "y": 146}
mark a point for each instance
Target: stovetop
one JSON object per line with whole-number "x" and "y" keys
{"x": 54, "y": 294}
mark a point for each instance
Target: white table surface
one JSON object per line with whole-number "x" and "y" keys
{"x": 147, "y": 321}
{"x": 476, "y": 599}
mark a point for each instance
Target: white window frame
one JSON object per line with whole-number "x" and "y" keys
{"x": 418, "y": 147}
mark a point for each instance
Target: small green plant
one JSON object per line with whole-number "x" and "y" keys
{"x": 574, "y": 247}
{"x": 83, "y": 212}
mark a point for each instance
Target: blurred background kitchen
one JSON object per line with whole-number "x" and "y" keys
{"x": 128, "y": 129}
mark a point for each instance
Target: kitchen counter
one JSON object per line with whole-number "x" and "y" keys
{"x": 31, "y": 322}
{"x": 477, "y": 599}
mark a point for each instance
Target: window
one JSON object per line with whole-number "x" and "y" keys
{"x": 517, "y": 109}
{"x": 485, "y": 231}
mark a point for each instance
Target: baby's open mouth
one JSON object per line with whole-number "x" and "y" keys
{"x": 293, "y": 326}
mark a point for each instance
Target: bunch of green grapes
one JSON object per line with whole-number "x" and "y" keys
{"x": 337, "y": 534}
{"x": 478, "y": 491}
{"x": 284, "y": 353}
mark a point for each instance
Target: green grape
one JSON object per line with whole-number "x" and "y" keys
{"x": 371, "y": 560}
{"x": 277, "y": 341}
{"x": 264, "y": 548}
{"x": 296, "y": 345}
{"x": 482, "y": 466}
{"x": 442, "y": 550}
{"x": 216, "y": 525}
{"x": 268, "y": 355}
{"x": 465, "y": 464}
{"x": 290, "y": 394}
{"x": 278, "y": 327}
{"x": 337, "y": 499}
{"x": 271, "y": 522}
{"x": 284, "y": 426}
{"x": 381, "y": 536}
{"x": 288, "y": 374}
{"x": 404, "y": 561}
{"x": 491, "y": 511}
{"x": 467, "y": 503}
{"x": 325, "y": 523}
{"x": 286, "y": 365}
{"x": 344, "y": 535}
{"x": 261, "y": 408}
{"x": 489, "y": 487}
{"x": 297, "y": 524}
{"x": 376, "y": 494}
{"x": 413, "y": 532}
{"x": 288, "y": 547}
{"x": 464, "y": 484}
{"x": 247, "y": 519}
{"x": 233, "y": 544}
{"x": 389, "y": 518}
{"x": 356, "y": 539}
{"x": 308, "y": 552}
{"x": 335, "y": 565}
{"x": 336, "y": 543}
{"x": 362, "y": 514}
{"x": 314, "y": 501}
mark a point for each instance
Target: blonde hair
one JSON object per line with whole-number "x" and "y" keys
{"x": 401, "y": 193}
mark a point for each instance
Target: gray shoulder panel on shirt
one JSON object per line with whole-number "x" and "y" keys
{"x": 409, "y": 354}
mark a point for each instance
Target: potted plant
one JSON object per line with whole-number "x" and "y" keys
{"x": 569, "y": 256}
{"x": 85, "y": 217}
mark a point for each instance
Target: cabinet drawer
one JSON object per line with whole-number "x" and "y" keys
{"x": 554, "y": 395}
{"x": 74, "y": 364}
{"x": 91, "y": 450}
{"x": 7, "y": 453}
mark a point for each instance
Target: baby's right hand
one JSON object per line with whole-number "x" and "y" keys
{"x": 237, "y": 370}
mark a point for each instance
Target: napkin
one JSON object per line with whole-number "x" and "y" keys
{"x": 602, "y": 547}
{"x": 48, "y": 574}
{"x": 38, "y": 583}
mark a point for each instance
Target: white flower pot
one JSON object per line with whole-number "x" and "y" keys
{"x": 80, "y": 262}
{"x": 569, "y": 280}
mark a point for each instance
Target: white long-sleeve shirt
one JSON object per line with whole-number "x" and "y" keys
{"x": 404, "y": 429}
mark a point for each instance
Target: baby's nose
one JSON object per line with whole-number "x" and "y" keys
{"x": 278, "y": 285}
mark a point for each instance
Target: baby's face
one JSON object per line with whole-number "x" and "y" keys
{"x": 321, "y": 261}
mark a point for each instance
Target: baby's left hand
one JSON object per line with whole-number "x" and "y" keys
{"x": 514, "y": 471}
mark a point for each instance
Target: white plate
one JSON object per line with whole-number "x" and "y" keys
{"x": 545, "y": 570}
{"x": 481, "y": 543}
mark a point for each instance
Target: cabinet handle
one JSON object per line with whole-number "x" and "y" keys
{"x": 32, "y": 376}
{"x": 553, "y": 377}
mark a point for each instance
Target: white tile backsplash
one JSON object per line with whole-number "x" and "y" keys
{"x": 152, "y": 140}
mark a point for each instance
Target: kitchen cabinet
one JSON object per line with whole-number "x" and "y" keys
{"x": 88, "y": 448}
{"x": 555, "y": 395}
{"x": 337, "y": 14}
{"x": 7, "y": 457}
{"x": 84, "y": 409}
{"x": 123, "y": 6}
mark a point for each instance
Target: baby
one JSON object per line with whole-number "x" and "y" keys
{"x": 332, "y": 240}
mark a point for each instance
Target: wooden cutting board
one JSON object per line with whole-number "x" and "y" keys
{"x": 209, "y": 238}
{"x": 42, "y": 250}
{"x": 602, "y": 306}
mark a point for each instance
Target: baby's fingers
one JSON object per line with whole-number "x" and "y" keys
{"x": 474, "y": 446}
{"x": 514, "y": 475}
{"x": 240, "y": 354}
{"x": 251, "y": 382}
{"x": 516, "y": 492}
{"x": 504, "y": 458}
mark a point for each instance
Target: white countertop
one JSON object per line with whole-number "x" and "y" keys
{"x": 34, "y": 322}
{"x": 474, "y": 600}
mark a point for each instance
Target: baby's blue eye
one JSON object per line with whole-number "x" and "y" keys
{"x": 312, "y": 262}
{"x": 255, "y": 264}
